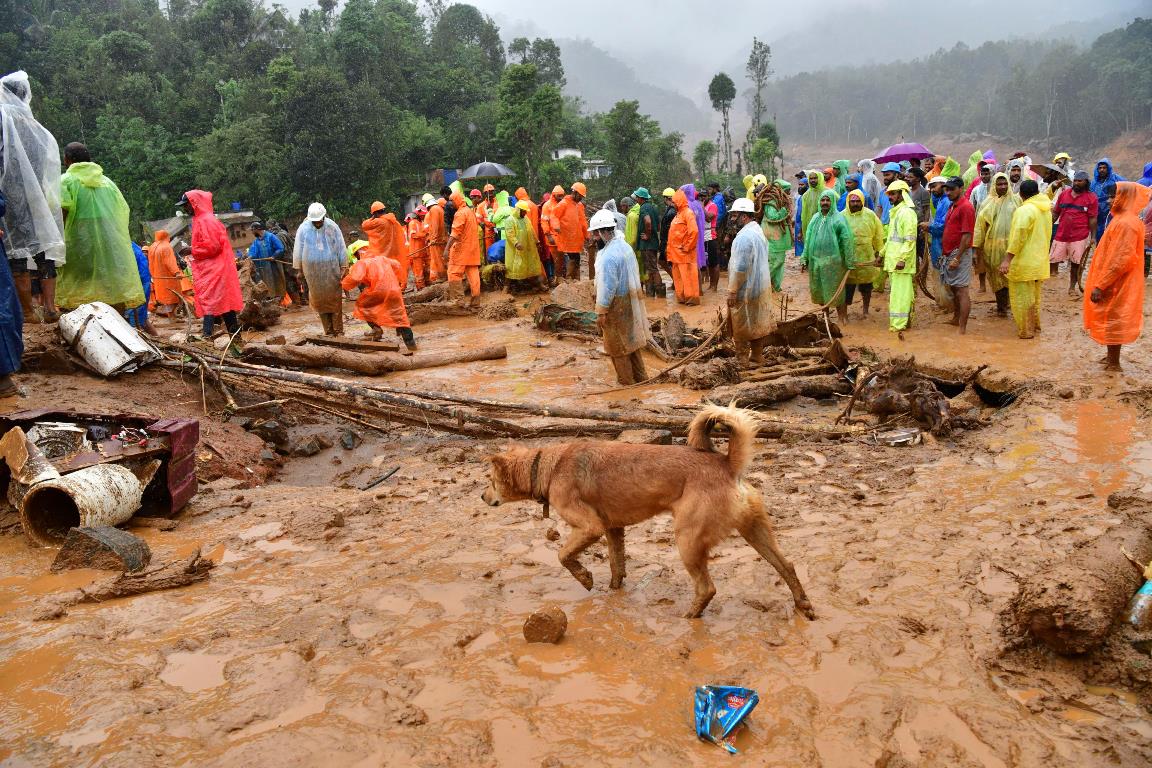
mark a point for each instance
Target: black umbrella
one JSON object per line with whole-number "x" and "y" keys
{"x": 487, "y": 170}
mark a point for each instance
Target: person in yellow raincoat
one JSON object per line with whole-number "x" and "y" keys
{"x": 750, "y": 297}
{"x": 900, "y": 257}
{"x": 1025, "y": 264}
{"x": 990, "y": 240}
{"x": 381, "y": 300}
{"x": 522, "y": 252}
{"x": 868, "y": 233}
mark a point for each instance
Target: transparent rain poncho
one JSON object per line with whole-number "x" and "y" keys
{"x": 29, "y": 176}
{"x": 320, "y": 254}
{"x": 618, "y": 290}
{"x": 993, "y": 224}
{"x": 749, "y": 268}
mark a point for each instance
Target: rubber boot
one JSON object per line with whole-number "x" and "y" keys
{"x": 455, "y": 290}
{"x": 48, "y": 300}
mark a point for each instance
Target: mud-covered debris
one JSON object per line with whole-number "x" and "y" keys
{"x": 350, "y": 439}
{"x": 546, "y": 625}
{"x": 277, "y": 340}
{"x": 500, "y": 310}
{"x": 104, "y": 548}
{"x": 159, "y": 523}
{"x": 645, "y": 437}
{"x": 715, "y": 373}
{"x": 336, "y": 521}
{"x": 552, "y": 534}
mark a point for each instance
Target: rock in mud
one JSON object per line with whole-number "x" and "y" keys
{"x": 645, "y": 437}
{"x": 501, "y": 310}
{"x": 270, "y": 431}
{"x": 102, "y": 547}
{"x": 276, "y": 341}
{"x": 350, "y": 440}
{"x": 552, "y": 534}
{"x": 307, "y": 446}
{"x": 578, "y": 295}
{"x": 546, "y": 625}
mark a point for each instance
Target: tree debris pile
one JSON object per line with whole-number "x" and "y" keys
{"x": 674, "y": 336}
{"x": 261, "y": 309}
{"x": 710, "y": 374}
{"x": 556, "y": 318}
{"x": 504, "y": 309}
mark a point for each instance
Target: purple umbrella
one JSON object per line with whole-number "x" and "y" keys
{"x": 909, "y": 151}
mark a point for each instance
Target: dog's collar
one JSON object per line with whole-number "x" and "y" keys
{"x": 538, "y": 494}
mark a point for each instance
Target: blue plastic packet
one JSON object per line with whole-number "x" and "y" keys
{"x": 720, "y": 709}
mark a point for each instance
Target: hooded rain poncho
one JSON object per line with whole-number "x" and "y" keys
{"x": 101, "y": 265}
{"x": 30, "y": 176}
{"x": 1118, "y": 271}
{"x": 381, "y": 300}
{"x": 753, "y": 317}
{"x": 697, "y": 209}
{"x": 165, "y": 271}
{"x": 267, "y": 255}
{"x": 214, "y": 277}
{"x": 993, "y": 225}
{"x": 810, "y": 201}
{"x": 522, "y": 253}
{"x": 868, "y": 240}
{"x": 319, "y": 253}
{"x": 1099, "y": 187}
{"x": 777, "y": 227}
{"x": 618, "y": 290}
{"x": 973, "y": 167}
{"x": 1146, "y": 179}
{"x": 829, "y": 250}
{"x": 842, "y": 166}
{"x": 871, "y": 184}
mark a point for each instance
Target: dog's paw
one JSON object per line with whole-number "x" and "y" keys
{"x": 585, "y": 580}
{"x": 807, "y": 609}
{"x": 616, "y": 583}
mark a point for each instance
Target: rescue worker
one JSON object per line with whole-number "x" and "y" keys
{"x": 319, "y": 253}
{"x": 464, "y": 256}
{"x": 418, "y": 246}
{"x": 437, "y": 238}
{"x": 381, "y": 300}
{"x": 570, "y": 230}
{"x": 620, "y": 314}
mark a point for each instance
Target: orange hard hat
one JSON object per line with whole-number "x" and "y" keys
{"x": 489, "y": 188}
{"x": 557, "y": 191}
{"x": 579, "y": 187}
{"x": 377, "y": 206}
{"x": 475, "y": 193}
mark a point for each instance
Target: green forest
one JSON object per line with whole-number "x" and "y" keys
{"x": 1019, "y": 89}
{"x": 342, "y": 106}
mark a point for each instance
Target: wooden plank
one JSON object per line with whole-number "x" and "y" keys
{"x": 356, "y": 345}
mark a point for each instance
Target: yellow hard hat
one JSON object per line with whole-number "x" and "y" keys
{"x": 668, "y": 192}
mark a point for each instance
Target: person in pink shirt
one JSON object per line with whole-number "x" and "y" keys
{"x": 1074, "y": 217}
{"x": 712, "y": 244}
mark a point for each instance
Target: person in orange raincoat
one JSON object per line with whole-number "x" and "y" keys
{"x": 484, "y": 210}
{"x": 464, "y": 257}
{"x": 682, "y": 237}
{"x": 570, "y": 231}
{"x": 385, "y": 238}
{"x": 418, "y": 245}
{"x": 1114, "y": 290}
{"x": 381, "y": 301}
{"x": 548, "y": 234}
{"x": 167, "y": 276}
{"x": 437, "y": 238}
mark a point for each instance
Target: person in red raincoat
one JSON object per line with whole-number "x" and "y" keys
{"x": 381, "y": 302}
{"x": 214, "y": 278}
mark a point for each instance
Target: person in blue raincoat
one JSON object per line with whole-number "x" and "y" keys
{"x": 138, "y": 316}
{"x": 797, "y": 240}
{"x": 11, "y": 320}
{"x": 1104, "y": 177}
{"x": 854, "y": 181}
{"x": 941, "y": 203}
{"x": 267, "y": 255}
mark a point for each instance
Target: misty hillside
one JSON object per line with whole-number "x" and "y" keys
{"x": 601, "y": 80}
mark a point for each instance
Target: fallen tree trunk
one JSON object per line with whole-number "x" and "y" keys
{"x": 440, "y": 310}
{"x": 763, "y": 393}
{"x": 367, "y": 364}
{"x": 434, "y": 292}
{"x": 355, "y": 345}
{"x": 1072, "y": 606}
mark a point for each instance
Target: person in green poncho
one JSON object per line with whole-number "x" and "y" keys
{"x": 840, "y": 175}
{"x": 101, "y": 264}
{"x": 777, "y": 227}
{"x": 810, "y": 201}
{"x": 973, "y": 167}
{"x": 829, "y": 250}
{"x": 522, "y": 254}
{"x": 631, "y": 213}
{"x": 868, "y": 238}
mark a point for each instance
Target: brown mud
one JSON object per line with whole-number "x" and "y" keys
{"x": 385, "y": 627}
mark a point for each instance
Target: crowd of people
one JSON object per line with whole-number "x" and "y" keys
{"x": 919, "y": 222}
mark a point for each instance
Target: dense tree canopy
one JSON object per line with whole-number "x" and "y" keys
{"x": 340, "y": 105}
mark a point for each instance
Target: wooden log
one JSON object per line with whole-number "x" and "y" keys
{"x": 434, "y": 292}
{"x": 426, "y": 313}
{"x": 803, "y": 370}
{"x": 763, "y": 393}
{"x": 169, "y": 576}
{"x": 1071, "y": 606}
{"x": 355, "y": 345}
{"x": 367, "y": 364}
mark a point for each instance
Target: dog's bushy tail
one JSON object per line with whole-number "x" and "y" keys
{"x": 742, "y": 427}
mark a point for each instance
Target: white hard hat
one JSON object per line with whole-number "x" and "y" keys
{"x": 317, "y": 212}
{"x": 602, "y": 219}
{"x": 743, "y": 205}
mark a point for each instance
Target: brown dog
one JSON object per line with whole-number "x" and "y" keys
{"x": 598, "y": 488}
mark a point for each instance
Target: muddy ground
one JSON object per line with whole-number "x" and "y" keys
{"x": 383, "y": 627}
